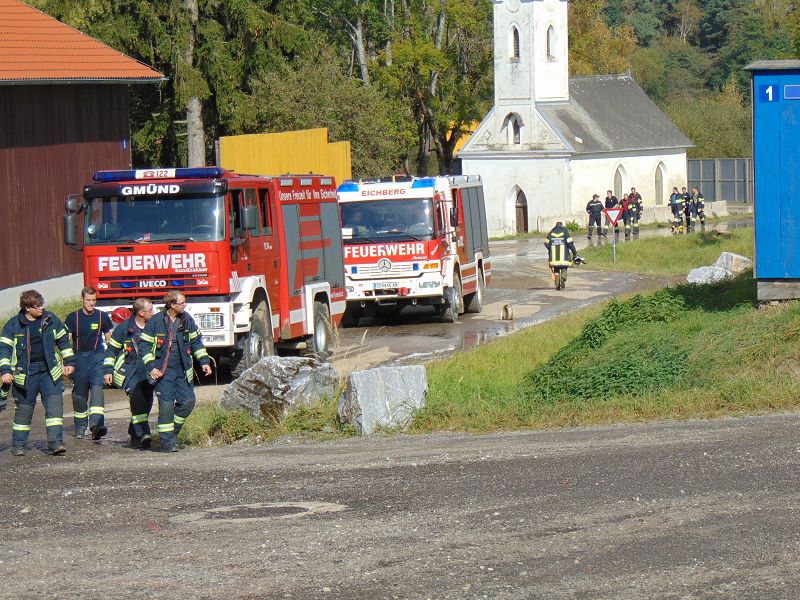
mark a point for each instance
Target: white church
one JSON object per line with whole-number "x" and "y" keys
{"x": 551, "y": 140}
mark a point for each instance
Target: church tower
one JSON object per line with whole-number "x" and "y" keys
{"x": 530, "y": 53}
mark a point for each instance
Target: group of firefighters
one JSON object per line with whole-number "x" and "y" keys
{"x": 686, "y": 210}
{"x": 146, "y": 353}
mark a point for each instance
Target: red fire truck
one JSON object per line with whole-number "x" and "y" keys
{"x": 259, "y": 258}
{"x": 410, "y": 241}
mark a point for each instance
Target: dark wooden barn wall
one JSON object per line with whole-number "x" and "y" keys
{"x": 52, "y": 139}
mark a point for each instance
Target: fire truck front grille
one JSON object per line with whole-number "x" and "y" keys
{"x": 194, "y": 282}
{"x": 398, "y": 269}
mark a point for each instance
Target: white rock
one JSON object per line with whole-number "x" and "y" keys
{"x": 736, "y": 263}
{"x": 707, "y": 275}
{"x": 383, "y": 397}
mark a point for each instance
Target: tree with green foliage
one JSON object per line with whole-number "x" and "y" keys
{"x": 440, "y": 69}
{"x": 594, "y": 48}
{"x": 315, "y": 91}
{"x": 717, "y": 123}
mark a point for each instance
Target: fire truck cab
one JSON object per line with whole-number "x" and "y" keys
{"x": 259, "y": 258}
{"x": 415, "y": 241}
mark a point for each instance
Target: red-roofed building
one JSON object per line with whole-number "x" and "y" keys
{"x": 64, "y": 114}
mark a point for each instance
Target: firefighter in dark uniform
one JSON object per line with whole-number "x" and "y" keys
{"x": 637, "y": 206}
{"x": 124, "y": 369}
{"x": 699, "y": 207}
{"x": 87, "y": 327}
{"x": 561, "y": 249}
{"x": 611, "y": 202}
{"x": 687, "y": 209}
{"x": 34, "y": 354}
{"x": 676, "y": 204}
{"x": 595, "y": 210}
{"x": 167, "y": 344}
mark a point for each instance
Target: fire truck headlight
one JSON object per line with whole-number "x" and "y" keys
{"x": 350, "y": 288}
{"x": 430, "y": 284}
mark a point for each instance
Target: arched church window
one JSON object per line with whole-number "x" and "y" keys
{"x": 551, "y": 44}
{"x": 661, "y": 177}
{"x": 514, "y": 43}
{"x": 620, "y": 179}
{"x": 513, "y": 125}
{"x": 521, "y": 208}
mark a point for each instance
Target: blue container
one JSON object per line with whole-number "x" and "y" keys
{"x": 776, "y": 177}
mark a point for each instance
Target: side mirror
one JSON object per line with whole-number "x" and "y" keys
{"x": 73, "y": 204}
{"x": 454, "y": 215}
{"x": 71, "y": 229}
{"x": 250, "y": 217}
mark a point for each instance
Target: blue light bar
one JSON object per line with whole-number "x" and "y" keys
{"x": 427, "y": 182}
{"x": 348, "y": 186}
{"x": 354, "y": 270}
{"x": 153, "y": 174}
{"x": 416, "y": 267}
{"x": 127, "y": 285}
{"x": 176, "y": 283}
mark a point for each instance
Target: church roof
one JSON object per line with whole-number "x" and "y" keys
{"x": 611, "y": 113}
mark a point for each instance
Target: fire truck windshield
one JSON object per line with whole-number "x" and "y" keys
{"x": 373, "y": 221}
{"x": 124, "y": 219}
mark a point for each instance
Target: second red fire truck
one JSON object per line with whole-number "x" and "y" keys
{"x": 259, "y": 258}
{"x": 415, "y": 241}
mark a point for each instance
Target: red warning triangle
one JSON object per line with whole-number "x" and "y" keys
{"x": 613, "y": 214}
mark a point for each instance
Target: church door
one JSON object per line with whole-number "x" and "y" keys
{"x": 522, "y": 212}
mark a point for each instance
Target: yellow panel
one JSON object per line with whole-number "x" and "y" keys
{"x": 306, "y": 151}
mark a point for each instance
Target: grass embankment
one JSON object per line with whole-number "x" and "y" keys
{"x": 60, "y": 308}
{"x": 674, "y": 255}
{"x": 687, "y": 351}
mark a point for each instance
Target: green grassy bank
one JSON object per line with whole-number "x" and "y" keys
{"x": 686, "y": 351}
{"x": 674, "y": 255}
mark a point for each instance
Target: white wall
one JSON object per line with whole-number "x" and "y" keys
{"x": 545, "y": 182}
{"x": 551, "y": 78}
{"x": 595, "y": 175}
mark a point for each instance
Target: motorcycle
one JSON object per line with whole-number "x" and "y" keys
{"x": 560, "y": 272}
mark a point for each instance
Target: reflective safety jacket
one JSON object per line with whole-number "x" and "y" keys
{"x": 595, "y": 207}
{"x": 699, "y": 204}
{"x": 559, "y": 244}
{"x": 156, "y": 344}
{"x": 15, "y": 347}
{"x": 637, "y": 205}
{"x": 676, "y": 202}
{"x": 122, "y": 356}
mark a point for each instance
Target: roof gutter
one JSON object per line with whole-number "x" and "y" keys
{"x": 11, "y": 82}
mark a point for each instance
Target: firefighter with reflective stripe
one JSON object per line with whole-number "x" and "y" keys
{"x": 595, "y": 210}
{"x": 33, "y": 346}
{"x": 676, "y": 204}
{"x": 699, "y": 207}
{"x": 124, "y": 369}
{"x": 561, "y": 250}
{"x": 87, "y": 327}
{"x": 167, "y": 344}
{"x": 637, "y": 206}
{"x": 687, "y": 209}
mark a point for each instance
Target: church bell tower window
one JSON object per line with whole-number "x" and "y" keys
{"x": 514, "y": 54}
{"x": 551, "y": 44}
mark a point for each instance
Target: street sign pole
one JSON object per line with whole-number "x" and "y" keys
{"x": 613, "y": 214}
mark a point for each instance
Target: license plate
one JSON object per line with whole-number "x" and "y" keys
{"x": 385, "y": 285}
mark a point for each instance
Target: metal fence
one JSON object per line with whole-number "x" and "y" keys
{"x": 723, "y": 178}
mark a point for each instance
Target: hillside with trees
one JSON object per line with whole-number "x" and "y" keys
{"x": 404, "y": 79}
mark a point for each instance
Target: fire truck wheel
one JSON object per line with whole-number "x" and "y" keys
{"x": 452, "y": 308}
{"x": 257, "y": 344}
{"x": 321, "y": 343}
{"x": 474, "y": 302}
